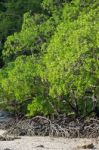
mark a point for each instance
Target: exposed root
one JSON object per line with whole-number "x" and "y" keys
{"x": 59, "y": 127}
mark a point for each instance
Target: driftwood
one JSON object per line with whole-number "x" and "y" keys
{"x": 88, "y": 146}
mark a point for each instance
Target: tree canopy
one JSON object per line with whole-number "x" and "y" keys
{"x": 51, "y": 64}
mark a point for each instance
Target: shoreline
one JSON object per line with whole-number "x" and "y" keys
{"x": 49, "y": 143}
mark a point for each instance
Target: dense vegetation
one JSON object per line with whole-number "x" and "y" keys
{"x": 51, "y": 63}
{"x": 11, "y": 17}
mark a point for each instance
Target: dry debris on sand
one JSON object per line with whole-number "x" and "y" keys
{"x": 41, "y": 133}
{"x": 59, "y": 127}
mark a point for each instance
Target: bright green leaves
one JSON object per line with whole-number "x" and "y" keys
{"x": 53, "y": 60}
{"x": 71, "y": 61}
{"x": 22, "y": 42}
{"x": 40, "y": 105}
{"x": 20, "y": 78}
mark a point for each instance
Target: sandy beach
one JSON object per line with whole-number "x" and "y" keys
{"x": 47, "y": 143}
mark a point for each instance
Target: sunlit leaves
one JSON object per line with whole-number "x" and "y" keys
{"x": 71, "y": 61}
{"x": 53, "y": 60}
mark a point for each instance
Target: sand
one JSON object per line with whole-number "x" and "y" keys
{"x": 46, "y": 143}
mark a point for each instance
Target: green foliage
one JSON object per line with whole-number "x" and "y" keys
{"x": 40, "y": 105}
{"x": 11, "y": 17}
{"x": 11, "y": 13}
{"x": 19, "y": 74}
{"x": 53, "y": 60}
{"x": 71, "y": 59}
{"x": 24, "y": 41}
{"x": 33, "y": 38}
